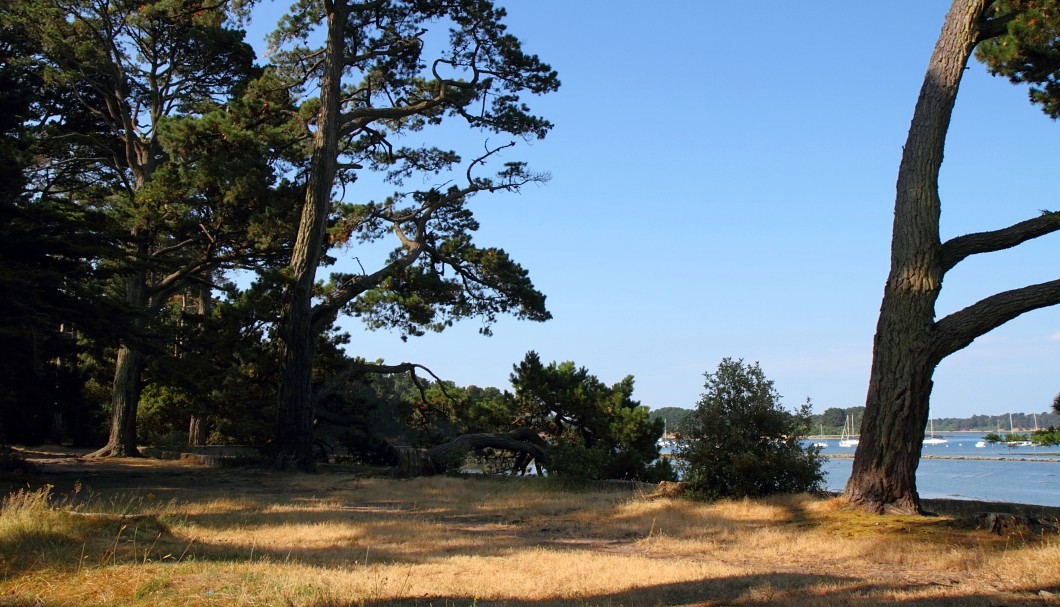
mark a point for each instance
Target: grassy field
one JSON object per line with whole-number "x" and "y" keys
{"x": 150, "y": 532}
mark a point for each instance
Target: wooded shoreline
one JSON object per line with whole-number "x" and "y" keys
{"x": 1040, "y": 457}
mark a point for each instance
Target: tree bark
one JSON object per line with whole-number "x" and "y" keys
{"x": 128, "y": 369}
{"x": 904, "y": 357}
{"x": 294, "y": 430}
{"x": 197, "y": 430}
{"x": 124, "y": 400}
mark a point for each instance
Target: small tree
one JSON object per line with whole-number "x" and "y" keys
{"x": 595, "y": 430}
{"x": 740, "y": 441}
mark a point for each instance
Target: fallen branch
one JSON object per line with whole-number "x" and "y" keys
{"x": 450, "y": 455}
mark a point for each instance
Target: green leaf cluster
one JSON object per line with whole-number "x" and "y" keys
{"x": 1028, "y": 51}
{"x": 1047, "y": 437}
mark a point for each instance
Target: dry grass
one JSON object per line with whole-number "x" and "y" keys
{"x": 243, "y": 538}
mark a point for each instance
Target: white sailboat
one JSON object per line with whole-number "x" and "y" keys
{"x": 821, "y": 444}
{"x": 1012, "y": 430}
{"x": 931, "y": 439}
{"x": 848, "y": 438}
{"x": 982, "y": 444}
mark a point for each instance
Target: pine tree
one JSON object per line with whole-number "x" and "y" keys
{"x": 1016, "y": 38}
{"x": 376, "y": 79}
{"x": 158, "y": 125}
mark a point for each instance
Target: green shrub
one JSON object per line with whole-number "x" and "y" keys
{"x": 740, "y": 441}
{"x": 596, "y": 431}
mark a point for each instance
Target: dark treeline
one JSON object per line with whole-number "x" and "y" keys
{"x": 170, "y": 212}
{"x": 1020, "y": 422}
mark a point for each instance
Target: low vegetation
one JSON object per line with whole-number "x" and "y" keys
{"x": 242, "y": 537}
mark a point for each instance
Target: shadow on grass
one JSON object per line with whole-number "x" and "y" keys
{"x": 437, "y": 526}
{"x": 795, "y": 589}
{"x": 383, "y": 527}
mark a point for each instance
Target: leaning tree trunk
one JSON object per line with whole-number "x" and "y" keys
{"x": 904, "y": 352}
{"x": 298, "y": 332}
{"x": 892, "y": 432}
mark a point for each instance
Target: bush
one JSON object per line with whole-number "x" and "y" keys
{"x": 740, "y": 441}
{"x": 571, "y": 461}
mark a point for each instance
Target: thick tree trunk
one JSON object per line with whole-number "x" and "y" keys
{"x": 883, "y": 478}
{"x": 905, "y": 352}
{"x": 197, "y": 430}
{"x": 294, "y": 431}
{"x": 128, "y": 369}
{"x": 124, "y": 401}
{"x": 298, "y": 333}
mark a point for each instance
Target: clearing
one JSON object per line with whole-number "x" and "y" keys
{"x": 138, "y": 532}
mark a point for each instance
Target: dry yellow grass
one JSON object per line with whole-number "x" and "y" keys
{"x": 247, "y": 538}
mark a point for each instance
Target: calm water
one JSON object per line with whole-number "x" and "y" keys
{"x": 1033, "y": 480}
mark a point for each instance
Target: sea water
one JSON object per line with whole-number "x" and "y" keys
{"x": 959, "y": 469}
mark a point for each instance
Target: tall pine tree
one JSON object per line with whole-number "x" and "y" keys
{"x": 378, "y": 76}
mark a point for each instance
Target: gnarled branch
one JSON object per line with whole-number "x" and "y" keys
{"x": 358, "y": 366}
{"x": 957, "y": 249}
{"x": 449, "y": 455}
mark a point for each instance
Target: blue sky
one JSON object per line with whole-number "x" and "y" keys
{"x": 723, "y": 185}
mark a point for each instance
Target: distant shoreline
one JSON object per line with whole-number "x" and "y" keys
{"x": 946, "y": 432}
{"x": 1040, "y": 457}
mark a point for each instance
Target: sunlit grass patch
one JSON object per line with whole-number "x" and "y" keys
{"x": 38, "y": 528}
{"x": 326, "y": 541}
